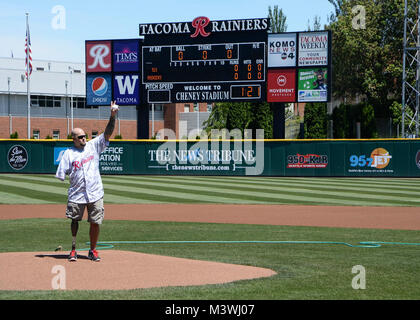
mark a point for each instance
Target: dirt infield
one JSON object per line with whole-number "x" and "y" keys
{"x": 119, "y": 270}
{"x": 129, "y": 270}
{"x": 403, "y": 218}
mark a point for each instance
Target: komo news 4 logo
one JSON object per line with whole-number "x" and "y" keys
{"x": 379, "y": 159}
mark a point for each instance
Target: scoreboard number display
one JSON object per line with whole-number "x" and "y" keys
{"x": 209, "y": 67}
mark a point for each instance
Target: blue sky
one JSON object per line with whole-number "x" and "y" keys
{"x": 92, "y": 19}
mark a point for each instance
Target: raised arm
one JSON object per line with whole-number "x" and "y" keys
{"x": 111, "y": 123}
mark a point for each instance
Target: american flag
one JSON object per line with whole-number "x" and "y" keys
{"x": 28, "y": 54}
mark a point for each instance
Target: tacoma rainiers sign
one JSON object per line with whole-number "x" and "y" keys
{"x": 203, "y": 26}
{"x": 204, "y": 61}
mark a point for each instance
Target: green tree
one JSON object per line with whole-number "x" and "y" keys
{"x": 316, "y": 24}
{"x": 367, "y": 50}
{"x": 315, "y": 121}
{"x": 345, "y": 118}
{"x": 396, "y": 114}
{"x": 14, "y": 135}
{"x": 277, "y": 20}
{"x": 241, "y": 115}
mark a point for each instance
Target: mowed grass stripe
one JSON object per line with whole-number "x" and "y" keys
{"x": 120, "y": 195}
{"x": 183, "y": 194}
{"x": 332, "y": 196}
{"x": 394, "y": 184}
{"x": 254, "y": 195}
{"x": 219, "y": 192}
{"x": 376, "y": 182}
{"x": 332, "y": 181}
{"x": 219, "y": 199}
{"x": 52, "y": 181}
{"x": 390, "y": 194}
{"x": 13, "y": 198}
{"x": 110, "y": 196}
{"x": 215, "y": 194}
{"x": 165, "y": 197}
{"x": 28, "y": 190}
{"x": 315, "y": 185}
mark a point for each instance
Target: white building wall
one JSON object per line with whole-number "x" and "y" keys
{"x": 47, "y": 78}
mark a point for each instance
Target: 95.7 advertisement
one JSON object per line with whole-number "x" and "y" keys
{"x": 378, "y": 160}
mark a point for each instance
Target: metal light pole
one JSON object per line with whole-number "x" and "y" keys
{"x": 71, "y": 96}
{"x": 67, "y": 108}
{"x": 8, "y": 105}
{"x": 411, "y": 67}
{"x": 153, "y": 120}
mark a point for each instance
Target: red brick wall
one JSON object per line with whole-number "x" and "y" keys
{"x": 128, "y": 128}
{"x": 159, "y": 124}
{"x": 46, "y": 126}
{"x": 171, "y": 116}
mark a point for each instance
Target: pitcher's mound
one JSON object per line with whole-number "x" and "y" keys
{"x": 118, "y": 270}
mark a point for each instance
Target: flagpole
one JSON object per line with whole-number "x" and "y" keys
{"x": 28, "y": 76}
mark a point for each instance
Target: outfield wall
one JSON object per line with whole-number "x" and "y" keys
{"x": 340, "y": 158}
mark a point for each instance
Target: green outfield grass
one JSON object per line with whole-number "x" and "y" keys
{"x": 304, "y": 271}
{"x": 244, "y": 190}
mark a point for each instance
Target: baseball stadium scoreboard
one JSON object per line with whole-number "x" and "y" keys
{"x": 204, "y": 72}
{"x": 209, "y": 61}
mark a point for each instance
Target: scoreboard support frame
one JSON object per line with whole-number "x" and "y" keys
{"x": 279, "y": 119}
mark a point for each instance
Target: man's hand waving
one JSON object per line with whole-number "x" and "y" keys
{"x": 111, "y": 124}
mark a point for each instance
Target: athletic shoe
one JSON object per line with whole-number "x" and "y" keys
{"x": 73, "y": 255}
{"x": 93, "y": 255}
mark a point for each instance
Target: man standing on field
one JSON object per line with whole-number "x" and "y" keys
{"x": 81, "y": 164}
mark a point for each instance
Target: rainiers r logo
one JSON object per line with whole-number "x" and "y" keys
{"x": 199, "y": 24}
{"x": 98, "y": 56}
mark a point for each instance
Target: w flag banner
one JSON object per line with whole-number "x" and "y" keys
{"x": 28, "y": 52}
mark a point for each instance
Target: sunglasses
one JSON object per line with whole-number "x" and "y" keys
{"x": 81, "y": 137}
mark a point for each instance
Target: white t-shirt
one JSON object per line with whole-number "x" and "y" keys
{"x": 82, "y": 166}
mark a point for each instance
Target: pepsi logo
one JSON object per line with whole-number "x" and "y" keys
{"x": 99, "y": 86}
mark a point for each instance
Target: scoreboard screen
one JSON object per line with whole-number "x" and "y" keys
{"x": 205, "y": 72}
{"x": 226, "y": 62}
{"x": 229, "y": 66}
